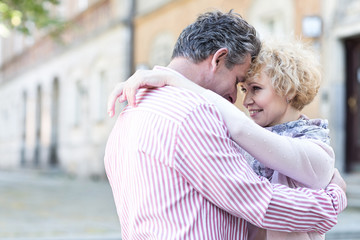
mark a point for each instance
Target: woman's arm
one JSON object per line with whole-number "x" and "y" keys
{"x": 126, "y": 91}
{"x": 307, "y": 161}
{"x": 310, "y": 162}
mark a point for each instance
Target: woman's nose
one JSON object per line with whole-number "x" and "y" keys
{"x": 247, "y": 100}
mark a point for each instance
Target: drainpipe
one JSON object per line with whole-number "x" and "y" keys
{"x": 131, "y": 26}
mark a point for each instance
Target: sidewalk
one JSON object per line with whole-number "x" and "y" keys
{"x": 36, "y": 205}
{"x": 51, "y": 206}
{"x": 348, "y": 227}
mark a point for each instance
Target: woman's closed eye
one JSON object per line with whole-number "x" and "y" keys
{"x": 255, "y": 88}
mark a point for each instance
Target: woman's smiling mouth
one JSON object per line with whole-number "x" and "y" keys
{"x": 253, "y": 112}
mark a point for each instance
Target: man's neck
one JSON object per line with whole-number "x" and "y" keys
{"x": 194, "y": 72}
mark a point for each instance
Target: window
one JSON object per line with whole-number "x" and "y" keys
{"x": 82, "y": 5}
{"x": 162, "y": 47}
{"x": 77, "y": 102}
{"x": 274, "y": 19}
{"x": 102, "y": 96}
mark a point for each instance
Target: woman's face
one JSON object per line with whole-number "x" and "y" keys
{"x": 265, "y": 106}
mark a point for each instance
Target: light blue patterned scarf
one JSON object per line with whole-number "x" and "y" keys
{"x": 301, "y": 128}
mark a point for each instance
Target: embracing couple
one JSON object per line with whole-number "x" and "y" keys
{"x": 185, "y": 163}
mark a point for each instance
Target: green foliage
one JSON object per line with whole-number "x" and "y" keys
{"x": 25, "y": 15}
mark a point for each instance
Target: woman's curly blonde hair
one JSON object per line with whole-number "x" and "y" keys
{"x": 293, "y": 68}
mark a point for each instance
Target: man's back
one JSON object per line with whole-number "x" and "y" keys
{"x": 176, "y": 174}
{"x": 153, "y": 199}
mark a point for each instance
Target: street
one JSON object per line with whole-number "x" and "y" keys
{"x": 52, "y": 206}
{"x": 35, "y": 205}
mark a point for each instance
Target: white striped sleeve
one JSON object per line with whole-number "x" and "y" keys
{"x": 211, "y": 162}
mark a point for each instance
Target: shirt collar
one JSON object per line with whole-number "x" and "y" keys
{"x": 168, "y": 69}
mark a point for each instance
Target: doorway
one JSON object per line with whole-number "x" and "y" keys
{"x": 352, "y": 105}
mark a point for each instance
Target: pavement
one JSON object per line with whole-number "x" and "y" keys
{"x": 37, "y": 205}
{"x": 348, "y": 227}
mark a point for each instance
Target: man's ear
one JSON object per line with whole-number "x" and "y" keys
{"x": 218, "y": 58}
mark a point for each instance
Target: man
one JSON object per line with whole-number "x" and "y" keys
{"x": 174, "y": 171}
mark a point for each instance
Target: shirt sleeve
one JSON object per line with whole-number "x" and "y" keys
{"x": 211, "y": 162}
{"x": 310, "y": 162}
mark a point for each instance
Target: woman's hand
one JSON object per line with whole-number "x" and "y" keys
{"x": 338, "y": 180}
{"x": 127, "y": 90}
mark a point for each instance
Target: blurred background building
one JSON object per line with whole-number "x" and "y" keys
{"x": 53, "y": 93}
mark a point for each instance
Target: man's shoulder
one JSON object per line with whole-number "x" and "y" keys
{"x": 171, "y": 96}
{"x": 170, "y": 101}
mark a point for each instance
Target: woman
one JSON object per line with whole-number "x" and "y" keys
{"x": 279, "y": 142}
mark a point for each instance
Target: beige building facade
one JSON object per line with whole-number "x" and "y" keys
{"x": 53, "y": 96}
{"x": 341, "y": 91}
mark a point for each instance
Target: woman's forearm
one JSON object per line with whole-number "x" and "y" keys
{"x": 306, "y": 161}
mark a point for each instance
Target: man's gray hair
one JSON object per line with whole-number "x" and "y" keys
{"x": 214, "y": 30}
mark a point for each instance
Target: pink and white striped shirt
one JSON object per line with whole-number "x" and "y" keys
{"x": 176, "y": 174}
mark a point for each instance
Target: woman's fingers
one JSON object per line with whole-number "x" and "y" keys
{"x": 126, "y": 91}
{"x": 116, "y": 93}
